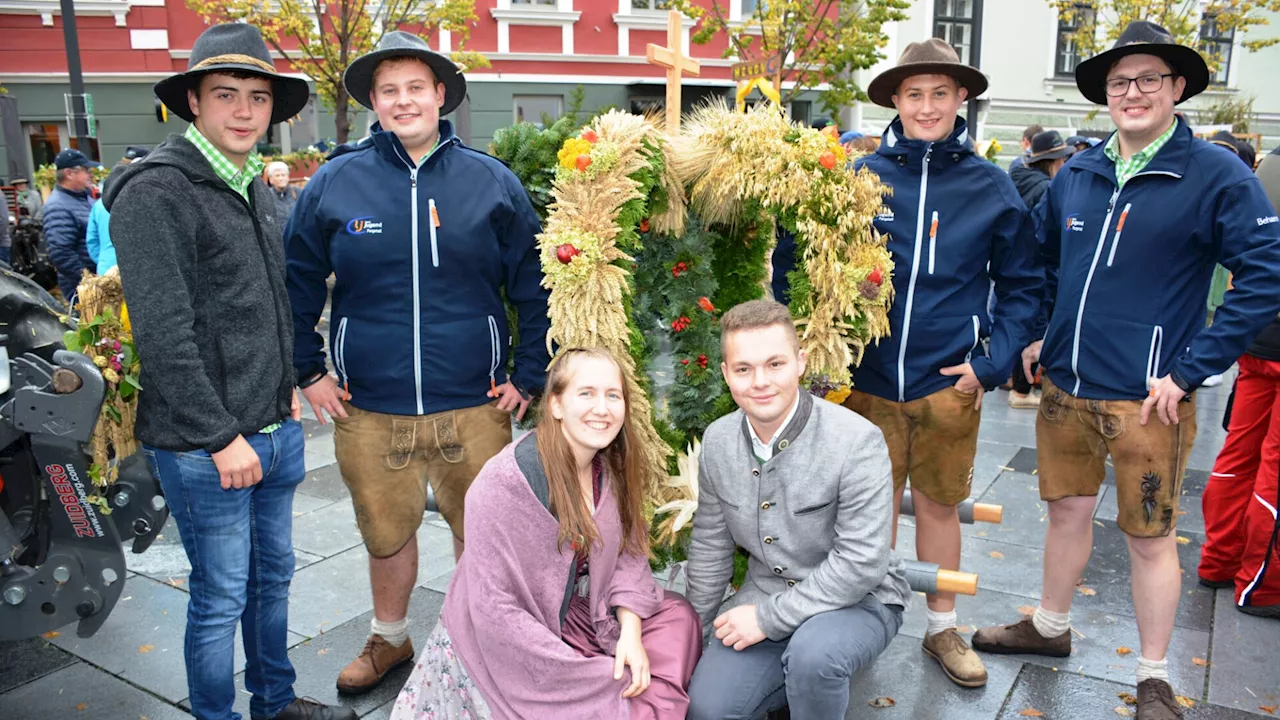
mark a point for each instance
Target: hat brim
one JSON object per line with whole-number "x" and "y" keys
{"x": 1091, "y": 74}
{"x": 288, "y": 96}
{"x": 885, "y": 85}
{"x": 358, "y": 77}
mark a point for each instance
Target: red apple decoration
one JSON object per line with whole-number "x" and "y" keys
{"x": 565, "y": 253}
{"x": 584, "y": 162}
{"x": 590, "y": 136}
{"x": 876, "y": 276}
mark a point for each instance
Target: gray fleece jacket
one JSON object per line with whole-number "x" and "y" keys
{"x": 204, "y": 279}
{"x": 815, "y": 519}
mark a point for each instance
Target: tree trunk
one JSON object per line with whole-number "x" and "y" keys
{"x": 341, "y": 117}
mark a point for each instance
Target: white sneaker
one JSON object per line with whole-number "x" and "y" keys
{"x": 1212, "y": 381}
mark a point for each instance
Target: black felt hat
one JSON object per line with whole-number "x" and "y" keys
{"x": 1143, "y": 38}
{"x": 359, "y": 74}
{"x": 1048, "y": 145}
{"x": 233, "y": 47}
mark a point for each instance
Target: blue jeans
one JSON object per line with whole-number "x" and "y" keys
{"x": 4, "y": 255}
{"x": 240, "y": 544}
{"x": 808, "y": 672}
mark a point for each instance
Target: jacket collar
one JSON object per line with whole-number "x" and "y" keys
{"x": 80, "y": 194}
{"x": 798, "y": 422}
{"x": 1172, "y": 159}
{"x": 895, "y": 144}
{"x": 388, "y": 145}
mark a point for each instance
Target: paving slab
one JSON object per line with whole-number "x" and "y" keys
{"x": 319, "y": 660}
{"x": 22, "y": 661}
{"x": 1026, "y": 517}
{"x": 1109, "y": 575}
{"x": 81, "y": 691}
{"x": 325, "y": 482}
{"x": 327, "y": 531}
{"x": 1012, "y": 432}
{"x": 1063, "y": 696}
{"x": 331, "y": 592}
{"x": 1243, "y": 673}
{"x": 990, "y": 460}
{"x": 142, "y": 640}
{"x": 921, "y": 691}
{"x": 166, "y": 559}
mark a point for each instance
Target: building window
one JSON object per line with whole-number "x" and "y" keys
{"x": 1069, "y": 53}
{"x": 802, "y": 112}
{"x": 1215, "y": 43}
{"x": 953, "y": 22}
{"x": 749, "y": 7}
{"x": 541, "y": 110}
{"x": 533, "y": 2}
{"x": 650, "y": 4}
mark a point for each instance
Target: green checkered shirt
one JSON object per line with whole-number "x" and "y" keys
{"x": 236, "y": 178}
{"x": 1126, "y": 169}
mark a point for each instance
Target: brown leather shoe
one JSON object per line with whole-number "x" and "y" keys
{"x": 1021, "y": 637}
{"x": 961, "y": 664}
{"x": 378, "y": 658}
{"x": 1156, "y": 702}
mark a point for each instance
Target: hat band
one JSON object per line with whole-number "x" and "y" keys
{"x": 235, "y": 59}
{"x": 1055, "y": 148}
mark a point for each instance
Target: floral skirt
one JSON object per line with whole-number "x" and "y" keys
{"x": 438, "y": 688}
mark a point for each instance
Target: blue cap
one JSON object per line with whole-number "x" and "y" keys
{"x": 1083, "y": 140}
{"x": 73, "y": 158}
{"x": 849, "y": 136}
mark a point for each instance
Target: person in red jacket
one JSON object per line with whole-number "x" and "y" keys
{"x": 1243, "y": 493}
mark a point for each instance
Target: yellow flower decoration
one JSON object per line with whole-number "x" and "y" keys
{"x": 838, "y": 395}
{"x": 569, "y": 152}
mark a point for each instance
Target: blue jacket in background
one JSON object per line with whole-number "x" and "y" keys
{"x": 1129, "y": 269}
{"x": 417, "y": 323}
{"x": 98, "y": 238}
{"x": 953, "y": 223}
{"x": 66, "y": 225}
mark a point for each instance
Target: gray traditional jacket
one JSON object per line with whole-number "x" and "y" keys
{"x": 815, "y": 519}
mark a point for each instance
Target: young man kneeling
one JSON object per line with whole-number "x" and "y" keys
{"x": 805, "y": 486}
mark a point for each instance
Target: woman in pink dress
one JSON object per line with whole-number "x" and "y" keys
{"x": 552, "y": 611}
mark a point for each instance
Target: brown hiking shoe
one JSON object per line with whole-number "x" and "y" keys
{"x": 378, "y": 658}
{"x": 1021, "y": 637}
{"x": 1156, "y": 702}
{"x": 961, "y": 664}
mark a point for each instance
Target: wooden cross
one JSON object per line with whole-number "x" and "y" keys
{"x": 677, "y": 63}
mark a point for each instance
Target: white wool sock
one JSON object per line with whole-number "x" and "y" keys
{"x": 395, "y": 633}
{"x": 939, "y": 621}
{"x": 1051, "y": 624}
{"x": 1153, "y": 669}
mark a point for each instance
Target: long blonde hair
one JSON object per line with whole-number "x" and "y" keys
{"x": 623, "y": 465}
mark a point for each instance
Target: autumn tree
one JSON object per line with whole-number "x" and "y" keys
{"x": 1099, "y": 23}
{"x": 329, "y": 35}
{"x": 820, "y": 41}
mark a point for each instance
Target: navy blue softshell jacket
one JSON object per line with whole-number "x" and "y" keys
{"x": 420, "y": 256}
{"x": 954, "y": 223}
{"x": 1128, "y": 268}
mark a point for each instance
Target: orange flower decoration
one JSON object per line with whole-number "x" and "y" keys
{"x": 590, "y": 136}
{"x": 828, "y": 160}
{"x": 584, "y": 162}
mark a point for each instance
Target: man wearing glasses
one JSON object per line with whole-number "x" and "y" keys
{"x": 1130, "y": 231}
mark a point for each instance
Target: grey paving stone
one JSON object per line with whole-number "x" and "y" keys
{"x": 22, "y": 661}
{"x": 304, "y": 503}
{"x": 1062, "y": 696}
{"x": 319, "y": 660}
{"x": 381, "y": 713}
{"x": 317, "y": 460}
{"x": 1108, "y": 574}
{"x": 1097, "y": 636}
{"x": 1013, "y": 569}
{"x": 81, "y": 691}
{"x": 1006, "y": 431}
{"x": 320, "y": 444}
{"x": 991, "y": 460}
{"x": 325, "y": 482}
{"x": 1025, "y": 518}
{"x": 327, "y": 531}
{"x": 331, "y": 592}
{"x": 1243, "y": 673}
{"x": 1024, "y": 461}
{"x": 922, "y": 692}
{"x": 166, "y": 560}
{"x": 142, "y": 640}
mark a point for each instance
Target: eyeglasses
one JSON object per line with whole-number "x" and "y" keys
{"x": 1147, "y": 84}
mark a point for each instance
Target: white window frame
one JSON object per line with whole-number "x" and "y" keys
{"x": 628, "y": 18}
{"x": 46, "y": 9}
{"x": 562, "y": 15}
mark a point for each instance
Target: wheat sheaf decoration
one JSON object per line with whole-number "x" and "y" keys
{"x": 613, "y": 177}
{"x": 841, "y": 294}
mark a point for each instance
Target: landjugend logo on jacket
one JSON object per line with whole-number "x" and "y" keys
{"x": 365, "y": 226}
{"x": 1074, "y": 223}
